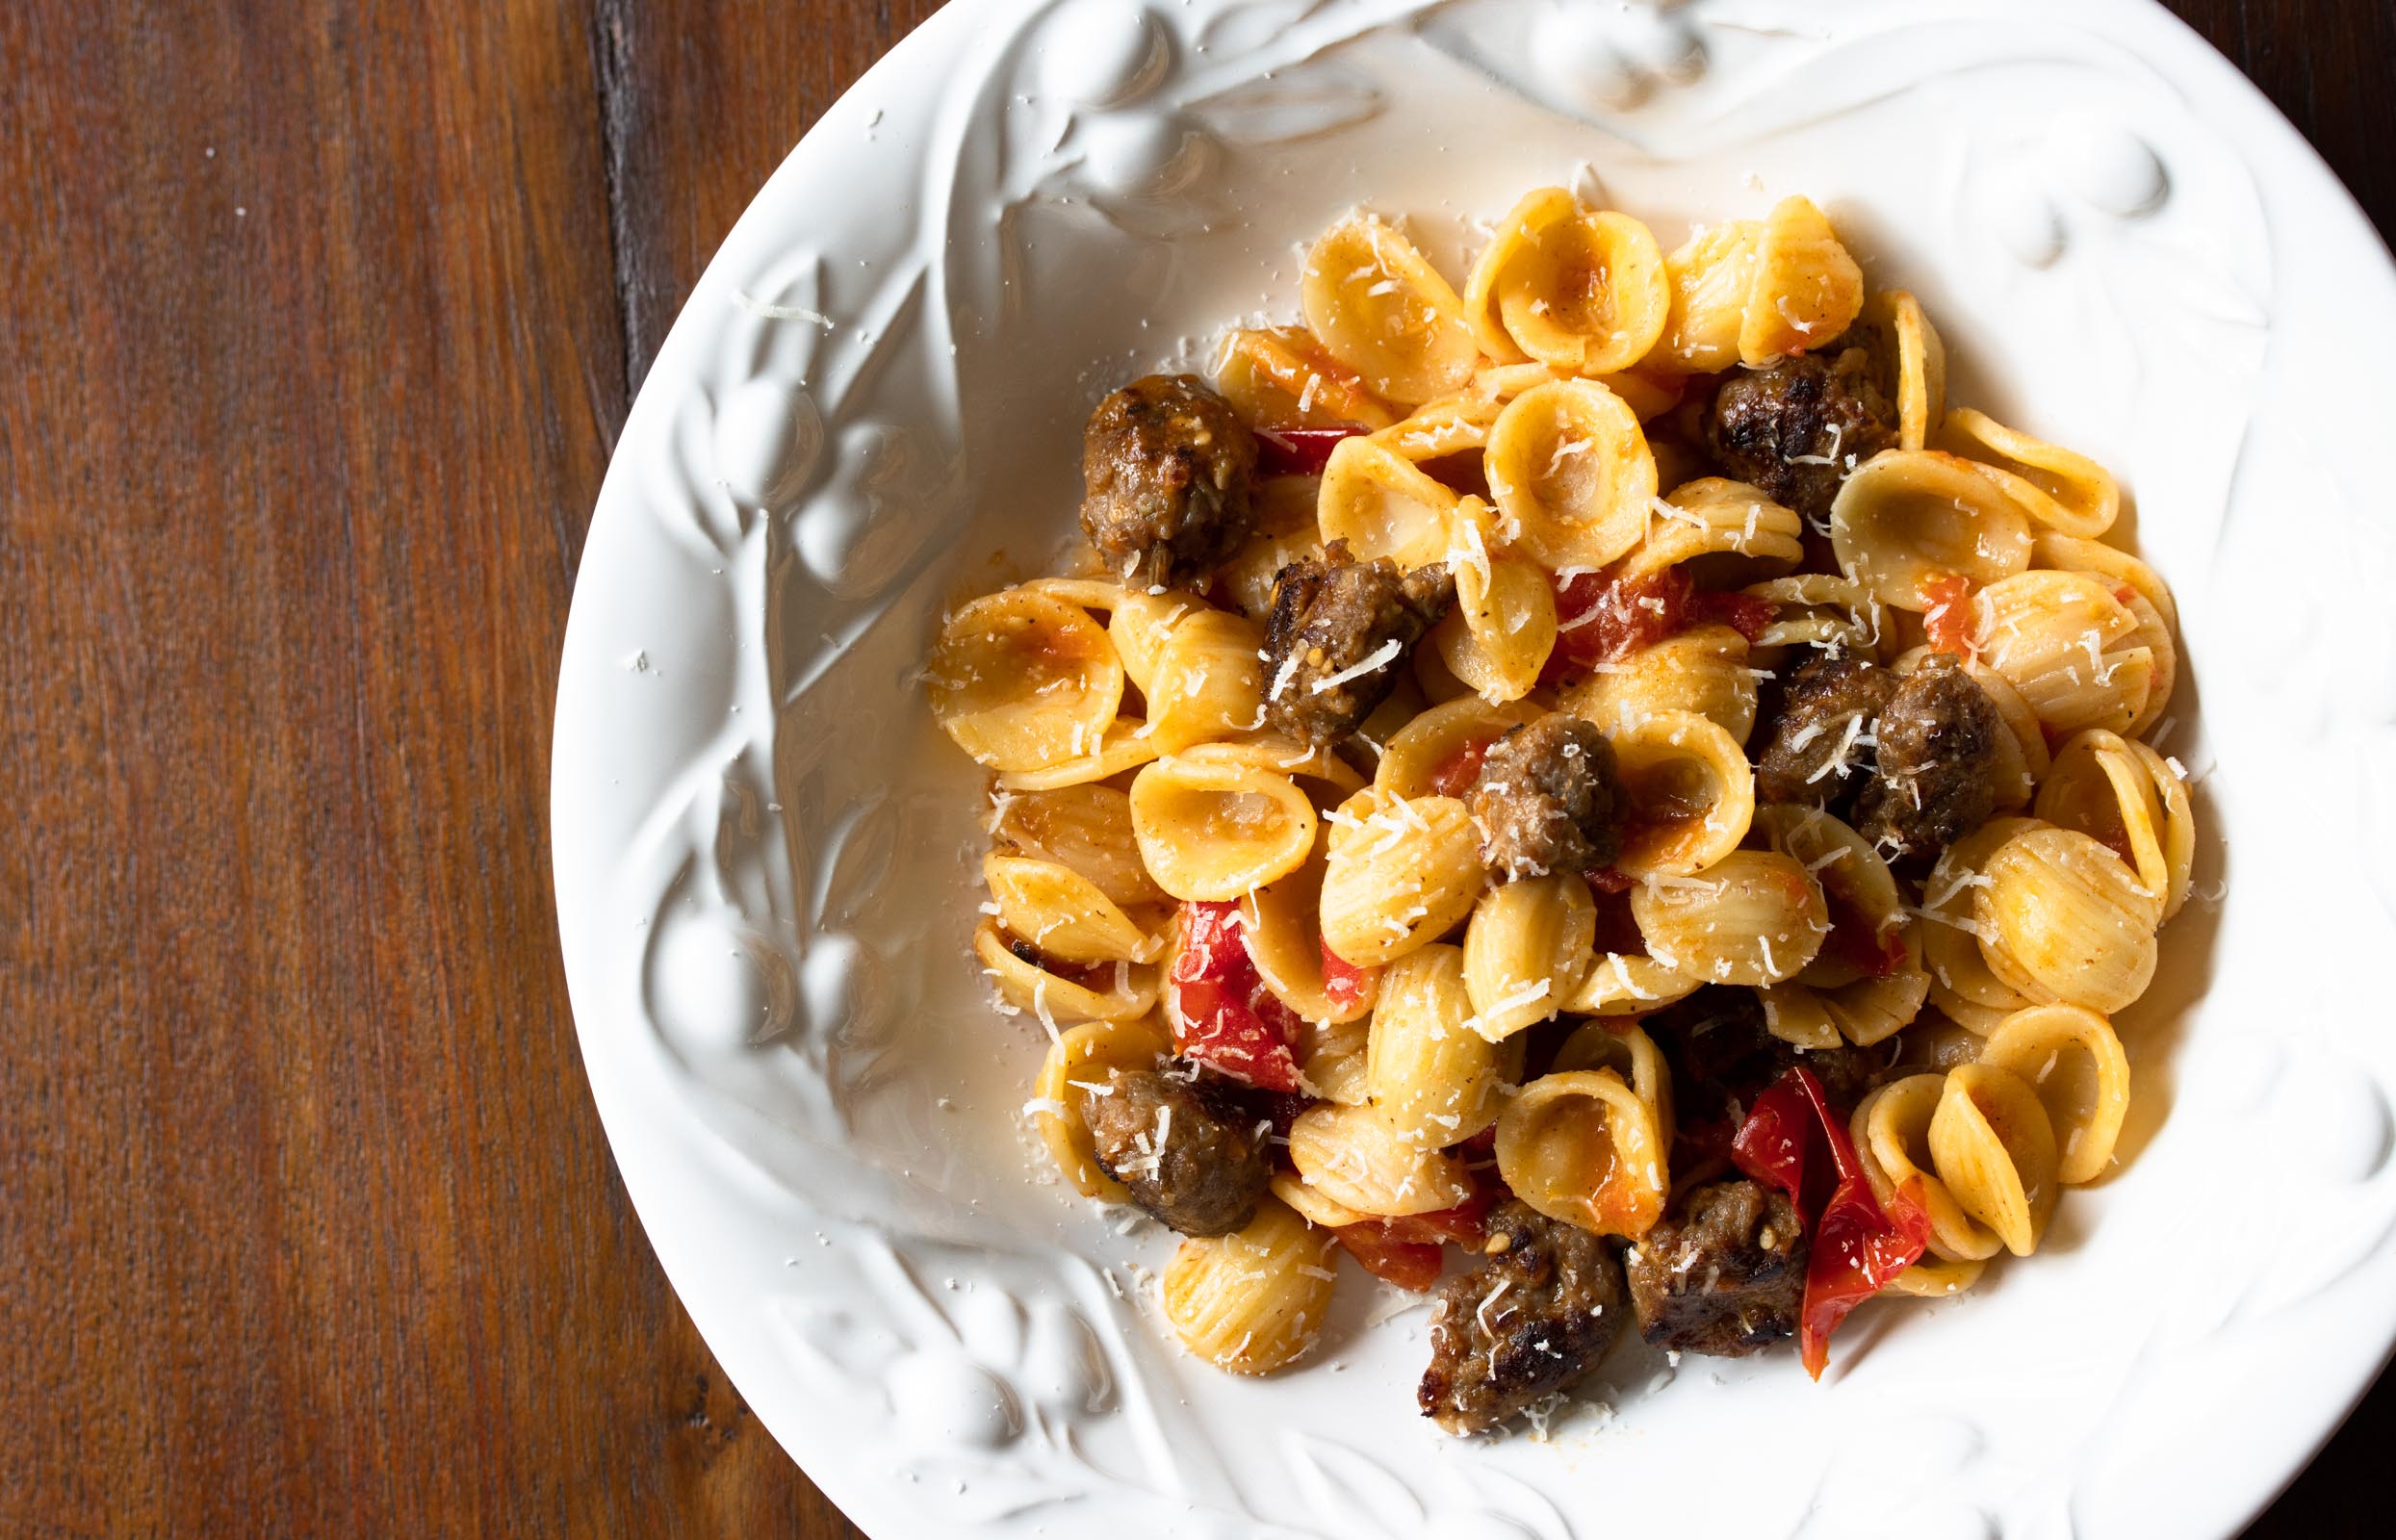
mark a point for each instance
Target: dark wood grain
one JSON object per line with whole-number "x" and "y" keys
{"x": 317, "y": 327}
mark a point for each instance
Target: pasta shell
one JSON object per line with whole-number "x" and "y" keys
{"x": 1525, "y": 951}
{"x": 1572, "y": 474}
{"x": 1892, "y": 1132}
{"x": 2066, "y": 492}
{"x": 1625, "y": 1048}
{"x": 1433, "y": 1080}
{"x": 1702, "y": 672}
{"x": 1920, "y": 360}
{"x": 1354, "y": 1158}
{"x": 1995, "y": 1152}
{"x": 1403, "y": 872}
{"x": 1582, "y": 1147}
{"x": 1807, "y": 290}
{"x": 1499, "y": 635}
{"x": 2063, "y": 921}
{"x": 1385, "y": 506}
{"x": 1577, "y": 291}
{"x": 1385, "y": 314}
{"x": 1282, "y": 376}
{"x": 1689, "y": 792}
{"x": 2071, "y": 1058}
{"x": 2071, "y": 647}
{"x": 1284, "y": 933}
{"x": 1253, "y": 1302}
{"x": 1724, "y": 533}
{"x": 1711, "y": 277}
{"x": 1416, "y": 755}
{"x": 1087, "y": 828}
{"x": 1054, "y": 998}
{"x": 1212, "y": 831}
{"x": 1024, "y": 681}
{"x": 1754, "y": 917}
{"x": 1062, "y": 913}
{"x": 2127, "y": 798}
{"x": 1908, "y": 517}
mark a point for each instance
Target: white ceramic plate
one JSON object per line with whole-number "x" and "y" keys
{"x": 764, "y": 851}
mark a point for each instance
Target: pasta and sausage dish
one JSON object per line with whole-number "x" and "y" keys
{"x": 1602, "y": 795}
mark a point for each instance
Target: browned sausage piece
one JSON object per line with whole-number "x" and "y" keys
{"x": 1548, "y": 799}
{"x": 1937, "y": 750}
{"x": 1166, "y": 465}
{"x": 1723, "y": 1272}
{"x": 1332, "y": 617}
{"x": 1798, "y": 429}
{"x": 1536, "y": 1314}
{"x": 1817, "y": 747}
{"x": 1188, "y": 1148}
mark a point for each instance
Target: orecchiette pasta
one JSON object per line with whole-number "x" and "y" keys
{"x": 1753, "y": 917}
{"x": 1572, "y": 474}
{"x": 1354, "y": 1157}
{"x": 1211, "y": 829}
{"x": 1690, "y": 791}
{"x": 1908, "y": 517}
{"x": 1286, "y": 939}
{"x": 1581, "y": 1146}
{"x": 1062, "y": 913}
{"x": 2066, "y": 492}
{"x": 2065, "y": 922}
{"x": 1433, "y": 1080}
{"x": 1403, "y": 871}
{"x": 1574, "y": 289}
{"x": 2072, "y": 1061}
{"x": 1703, "y": 672}
{"x": 1384, "y": 504}
{"x": 1386, "y": 313}
{"x": 1024, "y": 681}
{"x": 2130, "y": 799}
{"x": 1110, "y": 994}
{"x": 1253, "y": 1302}
{"x": 1525, "y": 952}
{"x": 1807, "y": 290}
{"x": 1995, "y": 1152}
{"x": 2076, "y": 651}
{"x": 1286, "y": 376}
{"x": 1921, "y": 365}
{"x": 1087, "y": 828}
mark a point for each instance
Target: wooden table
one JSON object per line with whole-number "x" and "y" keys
{"x": 317, "y": 325}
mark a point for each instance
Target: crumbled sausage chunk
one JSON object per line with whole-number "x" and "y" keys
{"x": 1537, "y": 1313}
{"x": 1937, "y": 761}
{"x": 1816, "y": 749}
{"x": 1187, "y": 1147}
{"x": 1333, "y": 615}
{"x": 1166, "y": 467}
{"x": 1548, "y": 799}
{"x": 1723, "y": 1272}
{"x": 1798, "y": 429}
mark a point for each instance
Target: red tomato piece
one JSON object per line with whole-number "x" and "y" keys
{"x": 1617, "y": 928}
{"x": 1857, "y": 1245}
{"x": 1855, "y": 940}
{"x": 1298, "y": 450}
{"x": 1222, "y": 1014}
{"x": 1744, "y": 613}
{"x": 1948, "y": 620}
{"x": 1606, "y": 616}
{"x": 1344, "y": 984}
{"x": 1453, "y": 775}
{"x": 1411, "y": 1264}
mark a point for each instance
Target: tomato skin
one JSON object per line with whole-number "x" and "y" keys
{"x": 1604, "y": 617}
{"x": 1298, "y": 450}
{"x": 1222, "y": 1014}
{"x": 1409, "y": 1264}
{"x": 1453, "y": 775}
{"x": 1948, "y": 620}
{"x": 1855, "y": 940}
{"x": 1344, "y": 984}
{"x": 1857, "y": 1246}
{"x": 1407, "y": 1249}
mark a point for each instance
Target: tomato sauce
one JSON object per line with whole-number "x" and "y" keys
{"x": 1948, "y": 620}
{"x": 1604, "y": 617}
